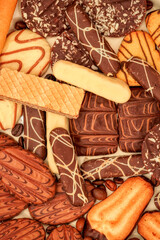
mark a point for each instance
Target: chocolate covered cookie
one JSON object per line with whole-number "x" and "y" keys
{"x": 136, "y": 118}
{"x": 116, "y": 18}
{"x": 95, "y": 132}
{"x": 157, "y": 201}
{"x": 45, "y": 17}
{"x": 22, "y": 228}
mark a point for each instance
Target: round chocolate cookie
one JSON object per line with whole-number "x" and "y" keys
{"x": 116, "y": 18}
{"x": 157, "y": 200}
{"x": 151, "y": 151}
{"x": 46, "y": 17}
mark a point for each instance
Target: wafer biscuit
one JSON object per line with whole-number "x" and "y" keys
{"x": 40, "y": 93}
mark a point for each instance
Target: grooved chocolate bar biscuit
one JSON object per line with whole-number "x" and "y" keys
{"x": 136, "y": 118}
{"x": 98, "y": 48}
{"x": 22, "y": 228}
{"x": 145, "y": 75}
{"x": 64, "y": 155}
{"x": 110, "y": 167}
{"x": 25, "y": 175}
{"x": 94, "y": 132}
{"x": 35, "y": 131}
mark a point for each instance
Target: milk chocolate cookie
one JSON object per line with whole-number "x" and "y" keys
{"x": 67, "y": 47}
{"x": 25, "y": 175}
{"x": 27, "y": 52}
{"x": 65, "y": 232}
{"x": 151, "y": 151}
{"x": 45, "y": 17}
{"x": 10, "y": 206}
{"x": 116, "y": 18}
{"x": 95, "y": 132}
{"x": 22, "y": 228}
{"x": 35, "y": 131}
{"x": 153, "y": 25}
{"x": 136, "y": 118}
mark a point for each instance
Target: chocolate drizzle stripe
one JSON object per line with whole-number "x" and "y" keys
{"x": 13, "y": 61}
{"x": 126, "y": 51}
{"x": 17, "y": 39}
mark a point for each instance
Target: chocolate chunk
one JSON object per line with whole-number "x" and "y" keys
{"x": 46, "y": 17}
{"x": 98, "y": 48}
{"x": 95, "y": 132}
{"x": 17, "y": 130}
{"x": 145, "y": 75}
{"x": 50, "y": 77}
{"x": 67, "y": 47}
{"x": 6, "y": 140}
{"x": 157, "y": 201}
{"x": 10, "y": 206}
{"x": 136, "y": 118}
{"x": 113, "y": 167}
{"x": 92, "y": 233}
{"x": 19, "y": 25}
{"x": 22, "y": 228}
{"x": 21, "y": 142}
{"x": 35, "y": 131}
{"x": 149, "y": 5}
{"x": 25, "y": 175}
{"x": 65, "y": 232}
{"x": 151, "y": 151}
{"x": 116, "y": 18}
{"x": 64, "y": 155}
{"x": 59, "y": 210}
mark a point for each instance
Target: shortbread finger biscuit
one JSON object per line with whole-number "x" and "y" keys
{"x": 153, "y": 25}
{"x": 149, "y": 226}
{"x": 107, "y": 87}
{"x": 54, "y": 121}
{"x": 116, "y": 216}
{"x": 40, "y": 93}
{"x": 27, "y": 52}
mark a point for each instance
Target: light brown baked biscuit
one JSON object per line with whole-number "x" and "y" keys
{"x": 149, "y": 226}
{"x": 116, "y": 216}
{"x": 27, "y": 52}
{"x": 153, "y": 25}
{"x": 139, "y": 44}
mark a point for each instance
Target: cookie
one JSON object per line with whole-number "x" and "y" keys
{"x": 149, "y": 225}
{"x": 67, "y": 47}
{"x": 139, "y": 44}
{"x": 153, "y": 26}
{"x": 95, "y": 131}
{"x": 116, "y": 18}
{"x": 116, "y": 216}
{"x": 6, "y": 140}
{"x": 157, "y": 201}
{"x": 27, "y": 52}
{"x": 22, "y": 228}
{"x": 136, "y": 118}
{"x": 151, "y": 151}
{"x": 45, "y": 17}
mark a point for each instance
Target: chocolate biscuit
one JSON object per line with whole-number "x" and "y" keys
{"x": 35, "y": 131}
{"x": 98, "y": 48}
{"x": 136, "y": 118}
{"x": 64, "y": 155}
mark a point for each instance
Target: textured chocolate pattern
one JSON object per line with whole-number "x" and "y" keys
{"x": 59, "y": 210}
{"x": 98, "y": 48}
{"x": 35, "y": 131}
{"x": 136, "y": 118}
{"x": 145, "y": 75}
{"x": 151, "y": 151}
{"x": 64, "y": 155}
{"x": 65, "y": 232}
{"x": 94, "y": 132}
{"x": 22, "y": 229}
{"x": 10, "y": 206}
{"x": 6, "y": 140}
{"x": 116, "y": 18}
{"x": 67, "y": 47}
{"x": 26, "y": 176}
{"x": 113, "y": 167}
{"x": 157, "y": 201}
{"x": 153, "y": 25}
{"x": 47, "y": 17}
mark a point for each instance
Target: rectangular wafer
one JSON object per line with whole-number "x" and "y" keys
{"x": 40, "y": 93}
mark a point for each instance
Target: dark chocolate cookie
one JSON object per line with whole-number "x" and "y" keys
{"x": 116, "y": 18}
{"x": 46, "y": 17}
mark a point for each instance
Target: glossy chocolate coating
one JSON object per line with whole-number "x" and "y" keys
{"x": 35, "y": 131}
{"x": 26, "y": 176}
{"x": 136, "y": 118}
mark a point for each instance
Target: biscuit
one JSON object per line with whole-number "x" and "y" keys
{"x": 27, "y": 52}
{"x": 149, "y": 226}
